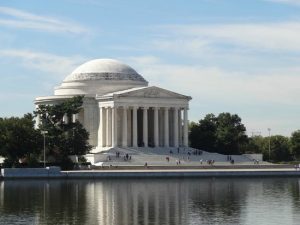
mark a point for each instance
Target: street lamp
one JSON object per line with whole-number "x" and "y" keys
{"x": 269, "y": 129}
{"x": 44, "y": 132}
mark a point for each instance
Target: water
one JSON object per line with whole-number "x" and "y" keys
{"x": 151, "y": 201}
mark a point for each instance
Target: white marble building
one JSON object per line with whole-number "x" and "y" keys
{"x": 121, "y": 110}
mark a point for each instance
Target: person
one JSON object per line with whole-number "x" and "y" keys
{"x": 201, "y": 161}
{"x": 146, "y": 164}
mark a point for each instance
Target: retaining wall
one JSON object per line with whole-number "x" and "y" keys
{"x": 48, "y": 172}
{"x": 16, "y": 173}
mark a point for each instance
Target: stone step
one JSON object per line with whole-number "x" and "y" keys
{"x": 158, "y": 155}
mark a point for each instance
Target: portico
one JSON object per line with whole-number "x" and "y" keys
{"x": 143, "y": 117}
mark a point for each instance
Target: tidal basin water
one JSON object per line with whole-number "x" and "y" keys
{"x": 151, "y": 201}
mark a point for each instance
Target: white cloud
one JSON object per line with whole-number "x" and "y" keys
{"x": 50, "y": 63}
{"x": 276, "y": 87}
{"x": 283, "y": 36}
{"x": 21, "y": 19}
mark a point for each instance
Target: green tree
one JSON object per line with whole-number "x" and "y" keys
{"x": 63, "y": 138}
{"x": 295, "y": 143}
{"x": 230, "y": 134}
{"x": 203, "y": 135}
{"x": 280, "y": 148}
{"x": 224, "y": 134}
{"x": 19, "y": 139}
{"x": 256, "y": 144}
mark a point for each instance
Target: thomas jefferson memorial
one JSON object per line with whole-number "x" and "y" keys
{"x": 121, "y": 110}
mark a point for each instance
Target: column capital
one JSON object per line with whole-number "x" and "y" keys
{"x": 135, "y": 107}
{"x": 145, "y": 107}
{"x": 125, "y": 106}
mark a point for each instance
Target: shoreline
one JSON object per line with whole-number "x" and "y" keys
{"x": 56, "y": 173}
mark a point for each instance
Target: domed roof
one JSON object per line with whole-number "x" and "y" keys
{"x": 104, "y": 69}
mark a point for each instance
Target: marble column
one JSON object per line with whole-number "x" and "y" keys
{"x": 180, "y": 131}
{"x": 156, "y": 131}
{"x": 175, "y": 127}
{"x": 37, "y": 119}
{"x": 166, "y": 127}
{"x": 124, "y": 133}
{"x": 101, "y": 135}
{"x": 75, "y": 117}
{"x": 65, "y": 118}
{"x": 114, "y": 125}
{"x": 185, "y": 128}
{"x": 134, "y": 127}
{"x": 108, "y": 127}
{"x": 145, "y": 126}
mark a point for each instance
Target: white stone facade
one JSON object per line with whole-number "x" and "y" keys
{"x": 120, "y": 109}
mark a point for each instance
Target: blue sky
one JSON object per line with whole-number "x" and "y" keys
{"x": 229, "y": 55}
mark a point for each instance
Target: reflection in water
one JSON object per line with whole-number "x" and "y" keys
{"x": 150, "y": 201}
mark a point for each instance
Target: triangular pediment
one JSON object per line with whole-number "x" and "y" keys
{"x": 152, "y": 92}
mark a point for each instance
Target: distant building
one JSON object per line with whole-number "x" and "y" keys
{"x": 120, "y": 109}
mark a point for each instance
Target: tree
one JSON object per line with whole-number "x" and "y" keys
{"x": 63, "y": 138}
{"x": 295, "y": 143}
{"x": 224, "y": 134}
{"x": 280, "y": 148}
{"x": 19, "y": 139}
{"x": 230, "y": 134}
{"x": 203, "y": 135}
{"x": 256, "y": 144}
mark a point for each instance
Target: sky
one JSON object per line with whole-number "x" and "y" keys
{"x": 235, "y": 56}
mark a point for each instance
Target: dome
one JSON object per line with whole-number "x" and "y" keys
{"x": 104, "y": 69}
{"x": 99, "y": 77}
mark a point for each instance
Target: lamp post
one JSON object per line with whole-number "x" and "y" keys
{"x": 269, "y": 129}
{"x": 44, "y": 132}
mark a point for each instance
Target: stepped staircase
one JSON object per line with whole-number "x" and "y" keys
{"x": 159, "y": 155}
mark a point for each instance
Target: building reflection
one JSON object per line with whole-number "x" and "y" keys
{"x": 124, "y": 201}
{"x": 42, "y": 202}
{"x": 172, "y": 201}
